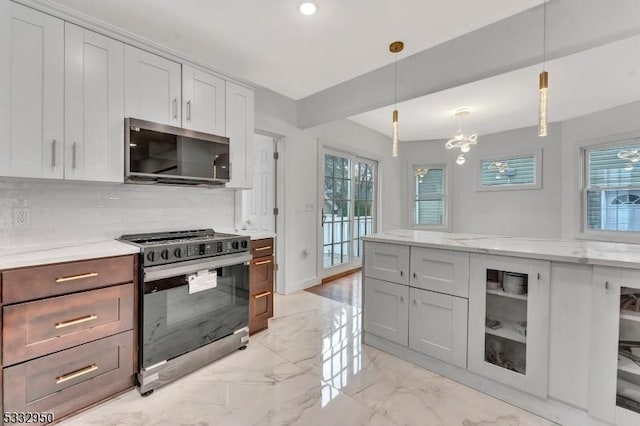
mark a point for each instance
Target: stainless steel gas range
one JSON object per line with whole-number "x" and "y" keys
{"x": 193, "y": 301}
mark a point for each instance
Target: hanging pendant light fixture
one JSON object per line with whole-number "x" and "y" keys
{"x": 395, "y": 48}
{"x": 544, "y": 79}
{"x": 460, "y": 139}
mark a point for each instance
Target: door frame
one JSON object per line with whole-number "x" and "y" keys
{"x": 336, "y": 149}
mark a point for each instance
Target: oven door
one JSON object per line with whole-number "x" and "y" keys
{"x": 190, "y": 304}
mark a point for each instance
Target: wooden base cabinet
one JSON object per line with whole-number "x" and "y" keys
{"x": 509, "y": 332}
{"x": 261, "y": 273}
{"x": 68, "y": 334}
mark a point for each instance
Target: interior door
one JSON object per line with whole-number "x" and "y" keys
{"x": 347, "y": 188}
{"x": 259, "y": 202}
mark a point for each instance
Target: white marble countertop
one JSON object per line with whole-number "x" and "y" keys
{"x": 572, "y": 251}
{"x": 81, "y": 251}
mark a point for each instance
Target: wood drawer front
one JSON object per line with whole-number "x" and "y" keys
{"x": 261, "y": 275}
{"x": 39, "y": 328}
{"x": 67, "y": 381}
{"x": 260, "y": 310}
{"x": 20, "y": 285}
{"x": 262, "y": 248}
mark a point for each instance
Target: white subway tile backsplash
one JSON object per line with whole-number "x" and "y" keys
{"x": 65, "y": 213}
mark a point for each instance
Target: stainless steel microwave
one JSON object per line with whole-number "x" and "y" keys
{"x": 157, "y": 153}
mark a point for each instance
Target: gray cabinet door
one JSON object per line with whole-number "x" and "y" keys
{"x": 438, "y": 326}
{"x": 386, "y": 310}
{"x": 388, "y": 262}
{"x": 438, "y": 270}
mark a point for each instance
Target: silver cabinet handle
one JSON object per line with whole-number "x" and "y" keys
{"x": 414, "y": 276}
{"x": 401, "y": 299}
{"x": 53, "y": 154}
{"x": 175, "y": 108}
{"x": 401, "y": 273}
{"x": 73, "y": 155}
{"x": 415, "y": 302}
{"x": 189, "y": 110}
{"x": 538, "y": 276}
{"x": 606, "y": 285}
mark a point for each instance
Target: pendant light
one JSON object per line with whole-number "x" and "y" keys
{"x": 544, "y": 78}
{"x": 395, "y": 48}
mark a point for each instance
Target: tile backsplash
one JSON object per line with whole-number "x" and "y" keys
{"x": 64, "y": 213}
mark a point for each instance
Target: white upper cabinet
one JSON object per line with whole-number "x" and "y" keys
{"x": 152, "y": 87}
{"x": 94, "y": 107}
{"x": 203, "y": 101}
{"x": 31, "y": 92}
{"x": 240, "y": 128}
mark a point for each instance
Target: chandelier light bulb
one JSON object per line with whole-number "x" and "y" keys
{"x": 308, "y": 8}
{"x": 629, "y": 168}
{"x": 394, "y": 147}
{"x": 460, "y": 160}
{"x": 465, "y": 148}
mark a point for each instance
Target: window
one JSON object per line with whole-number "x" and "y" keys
{"x": 515, "y": 172}
{"x": 429, "y": 196}
{"x": 612, "y": 188}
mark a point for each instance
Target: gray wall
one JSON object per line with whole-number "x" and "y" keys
{"x": 532, "y": 212}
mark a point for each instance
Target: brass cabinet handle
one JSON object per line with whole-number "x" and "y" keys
{"x": 263, "y": 248}
{"x": 76, "y": 277}
{"x": 263, "y": 262}
{"x": 75, "y": 321}
{"x": 77, "y": 373}
{"x": 261, "y": 295}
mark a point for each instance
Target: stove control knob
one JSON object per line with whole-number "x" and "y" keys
{"x": 244, "y": 244}
{"x": 151, "y": 256}
{"x": 165, "y": 254}
{"x": 177, "y": 253}
{"x": 235, "y": 245}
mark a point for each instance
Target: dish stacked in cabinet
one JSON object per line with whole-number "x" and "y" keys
{"x": 67, "y": 334}
{"x": 628, "y": 386}
{"x": 261, "y": 284}
{"x": 417, "y": 297}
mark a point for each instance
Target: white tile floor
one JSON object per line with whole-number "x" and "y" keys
{"x": 309, "y": 368}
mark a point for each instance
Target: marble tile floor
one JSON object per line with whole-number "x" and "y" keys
{"x": 309, "y": 368}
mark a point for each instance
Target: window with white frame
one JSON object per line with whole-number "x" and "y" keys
{"x": 514, "y": 172}
{"x": 429, "y": 195}
{"x": 611, "y": 196}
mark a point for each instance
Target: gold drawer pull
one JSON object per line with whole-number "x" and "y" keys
{"x": 75, "y": 321}
{"x": 76, "y": 277}
{"x": 77, "y": 373}
{"x": 263, "y": 248}
{"x": 261, "y": 295}
{"x": 263, "y": 262}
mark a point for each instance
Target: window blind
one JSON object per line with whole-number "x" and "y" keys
{"x": 429, "y": 197}
{"x": 518, "y": 171}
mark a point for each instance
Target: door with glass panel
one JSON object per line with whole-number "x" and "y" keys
{"x": 348, "y": 209}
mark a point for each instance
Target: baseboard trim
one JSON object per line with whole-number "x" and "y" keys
{"x": 340, "y": 275}
{"x": 301, "y": 285}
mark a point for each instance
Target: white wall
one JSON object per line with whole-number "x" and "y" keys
{"x": 277, "y": 114}
{"x": 64, "y": 213}
{"x": 531, "y": 213}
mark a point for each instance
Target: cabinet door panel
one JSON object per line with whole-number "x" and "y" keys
{"x": 440, "y": 270}
{"x": 152, "y": 87}
{"x": 387, "y": 311}
{"x": 203, "y": 101}
{"x": 438, "y": 326}
{"x": 388, "y": 262}
{"x": 33, "y": 86}
{"x": 94, "y": 119}
{"x": 240, "y": 128}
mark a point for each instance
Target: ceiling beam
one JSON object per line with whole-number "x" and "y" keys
{"x": 507, "y": 45}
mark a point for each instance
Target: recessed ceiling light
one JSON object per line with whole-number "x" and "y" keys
{"x": 308, "y": 8}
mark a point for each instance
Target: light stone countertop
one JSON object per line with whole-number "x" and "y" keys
{"x": 82, "y": 251}
{"x": 254, "y": 234}
{"x": 571, "y": 251}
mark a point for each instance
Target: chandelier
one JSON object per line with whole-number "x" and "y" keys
{"x": 498, "y": 166}
{"x": 633, "y": 155}
{"x": 421, "y": 172}
{"x": 460, "y": 139}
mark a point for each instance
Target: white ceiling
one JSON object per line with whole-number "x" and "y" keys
{"x": 268, "y": 42}
{"x": 579, "y": 84}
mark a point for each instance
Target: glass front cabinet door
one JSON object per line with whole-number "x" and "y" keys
{"x": 614, "y": 373}
{"x": 509, "y": 321}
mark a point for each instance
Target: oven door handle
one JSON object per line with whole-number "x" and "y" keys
{"x": 189, "y": 267}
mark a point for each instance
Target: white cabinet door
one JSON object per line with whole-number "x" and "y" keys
{"x": 386, "y": 310}
{"x": 203, "y": 101}
{"x": 32, "y": 92}
{"x": 152, "y": 87}
{"x": 438, "y": 326}
{"x": 94, "y": 106}
{"x": 388, "y": 262}
{"x": 529, "y": 351}
{"x": 240, "y": 128}
{"x": 443, "y": 271}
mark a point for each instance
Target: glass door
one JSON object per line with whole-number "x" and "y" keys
{"x": 628, "y": 385}
{"x": 348, "y": 212}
